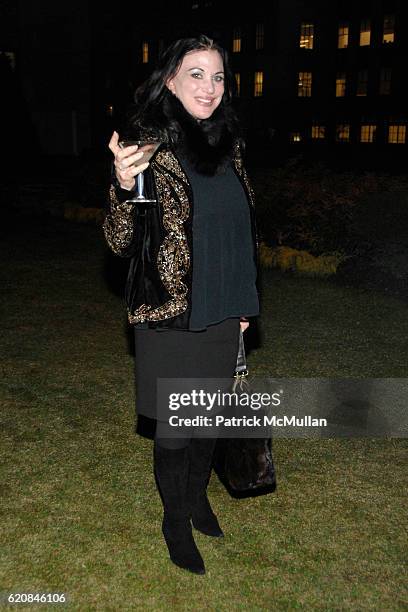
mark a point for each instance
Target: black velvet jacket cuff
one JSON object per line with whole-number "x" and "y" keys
{"x": 121, "y": 194}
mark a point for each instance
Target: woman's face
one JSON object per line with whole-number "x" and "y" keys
{"x": 199, "y": 83}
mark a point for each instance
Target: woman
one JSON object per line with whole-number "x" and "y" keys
{"x": 192, "y": 274}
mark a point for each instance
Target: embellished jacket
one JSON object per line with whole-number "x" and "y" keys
{"x": 158, "y": 239}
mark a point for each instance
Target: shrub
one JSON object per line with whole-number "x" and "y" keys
{"x": 312, "y": 208}
{"x": 83, "y": 214}
{"x": 293, "y": 260}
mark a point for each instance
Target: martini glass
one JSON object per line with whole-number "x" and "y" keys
{"x": 148, "y": 147}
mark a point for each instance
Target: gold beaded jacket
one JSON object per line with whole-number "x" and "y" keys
{"x": 158, "y": 239}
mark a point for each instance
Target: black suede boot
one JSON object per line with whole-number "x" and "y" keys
{"x": 171, "y": 468}
{"x": 202, "y": 516}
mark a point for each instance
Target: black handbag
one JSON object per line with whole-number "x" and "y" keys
{"x": 245, "y": 465}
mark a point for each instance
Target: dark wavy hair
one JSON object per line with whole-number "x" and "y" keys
{"x": 150, "y": 106}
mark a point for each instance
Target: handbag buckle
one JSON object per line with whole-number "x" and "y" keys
{"x": 240, "y": 381}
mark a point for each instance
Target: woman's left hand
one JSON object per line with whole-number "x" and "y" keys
{"x": 244, "y": 324}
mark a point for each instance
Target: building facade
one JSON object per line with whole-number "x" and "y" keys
{"x": 316, "y": 77}
{"x": 312, "y": 76}
{"x": 48, "y": 96}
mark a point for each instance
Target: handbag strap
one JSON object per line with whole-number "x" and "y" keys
{"x": 241, "y": 367}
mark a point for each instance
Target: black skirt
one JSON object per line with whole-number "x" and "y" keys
{"x": 211, "y": 353}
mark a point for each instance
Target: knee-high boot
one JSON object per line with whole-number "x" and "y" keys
{"x": 203, "y": 518}
{"x": 171, "y": 468}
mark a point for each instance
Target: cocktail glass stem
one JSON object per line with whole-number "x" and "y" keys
{"x": 140, "y": 185}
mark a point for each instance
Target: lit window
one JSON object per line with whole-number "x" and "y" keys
{"x": 365, "y": 33}
{"x": 397, "y": 134}
{"x": 258, "y": 84}
{"x": 238, "y": 82}
{"x": 343, "y": 132}
{"x": 343, "y": 36}
{"x": 306, "y": 35}
{"x": 340, "y": 84}
{"x": 367, "y": 132}
{"x": 385, "y": 81}
{"x": 295, "y": 137}
{"x": 318, "y": 132}
{"x": 259, "y": 36}
{"x": 305, "y": 84}
{"x": 389, "y": 29}
{"x": 145, "y": 53}
{"x": 362, "y": 83}
{"x": 236, "y": 40}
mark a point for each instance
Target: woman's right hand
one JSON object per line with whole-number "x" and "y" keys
{"x": 125, "y": 159}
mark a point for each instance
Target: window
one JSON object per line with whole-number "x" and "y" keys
{"x": 388, "y": 30}
{"x": 236, "y": 40}
{"x": 367, "y": 132}
{"x": 259, "y": 36}
{"x": 365, "y": 33}
{"x": 295, "y": 137}
{"x": 385, "y": 81}
{"x": 306, "y": 35}
{"x": 340, "y": 84}
{"x": 343, "y": 36}
{"x": 397, "y": 133}
{"x": 343, "y": 132}
{"x": 109, "y": 110}
{"x": 238, "y": 82}
{"x": 305, "y": 84}
{"x": 318, "y": 132}
{"x": 258, "y": 84}
{"x": 145, "y": 53}
{"x": 362, "y": 83}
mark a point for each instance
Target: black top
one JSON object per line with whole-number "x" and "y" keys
{"x": 224, "y": 271}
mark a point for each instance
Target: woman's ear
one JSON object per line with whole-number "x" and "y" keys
{"x": 170, "y": 85}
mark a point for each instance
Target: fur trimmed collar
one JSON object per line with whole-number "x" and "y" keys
{"x": 207, "y": 145}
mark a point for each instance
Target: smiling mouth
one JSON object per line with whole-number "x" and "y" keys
{"x": 206, "y": 101}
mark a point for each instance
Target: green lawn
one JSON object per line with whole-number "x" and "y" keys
{"x": 80, "y": 511}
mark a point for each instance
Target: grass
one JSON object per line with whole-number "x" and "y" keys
{"x": 80, "y": 511}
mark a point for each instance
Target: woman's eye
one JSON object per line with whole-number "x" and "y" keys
{"x": 218, "y": 79}
{"x": 196, "y": 75}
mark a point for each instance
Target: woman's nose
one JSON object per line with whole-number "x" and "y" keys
{"x": 208, "y": 85}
